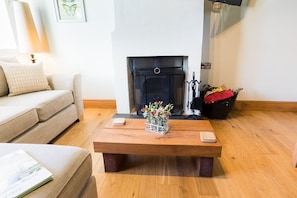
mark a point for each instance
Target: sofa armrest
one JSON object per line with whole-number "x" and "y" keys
{"x": 69, "y": 82}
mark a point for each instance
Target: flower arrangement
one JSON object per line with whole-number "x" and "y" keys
{"x": 157, "y": 115}
{"x": 156, "y": 109}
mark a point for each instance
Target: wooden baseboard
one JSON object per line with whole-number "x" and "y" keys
{"x": 104, "y": 104}
{"x": 245, "y": 105}
{"x": 240, "y": 105}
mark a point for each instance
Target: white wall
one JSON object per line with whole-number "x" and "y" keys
{"x": 114, "y": 30}
{"x": 81, "y": 47}
{"x": 254, "y": 46}
{"x": 155, "y": 28}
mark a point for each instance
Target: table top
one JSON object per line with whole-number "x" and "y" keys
{"x": 183, "y": 138}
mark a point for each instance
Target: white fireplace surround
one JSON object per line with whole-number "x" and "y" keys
{"x": 155, "y": 28}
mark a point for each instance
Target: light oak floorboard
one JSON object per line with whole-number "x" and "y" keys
{"x": 255, "y": 162}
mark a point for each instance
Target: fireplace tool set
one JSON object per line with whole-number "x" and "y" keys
{"x": 196, "y": 103}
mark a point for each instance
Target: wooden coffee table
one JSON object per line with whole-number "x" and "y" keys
{"x": 182, "y": 139}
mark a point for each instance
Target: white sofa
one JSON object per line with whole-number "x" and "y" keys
{"x": 34, "y": 114}
{"x": 37, "y": 116}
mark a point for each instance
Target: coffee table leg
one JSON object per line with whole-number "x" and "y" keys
{"x": 112, "y": 162}
{"x": 204, "y": 166}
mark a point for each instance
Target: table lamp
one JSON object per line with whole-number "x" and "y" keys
{"x": 27, "y": 36}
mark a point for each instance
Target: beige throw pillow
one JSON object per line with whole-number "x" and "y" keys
{"x": 3, "y": 83}
{"x": 24, "y": 78}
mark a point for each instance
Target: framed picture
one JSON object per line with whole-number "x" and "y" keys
{"x": 70, "y": 10}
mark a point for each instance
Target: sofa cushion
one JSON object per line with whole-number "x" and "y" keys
{"x": 71, "y": 167}
{"x": 15, "y": 120}
{"x": 45, "y": 132}
{"x": 47, "y": 103}
{"x": 3, "y": 84}
{"x": 24, "y": 78}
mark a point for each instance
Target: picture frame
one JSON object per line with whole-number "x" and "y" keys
{"x": 70, "y": 10}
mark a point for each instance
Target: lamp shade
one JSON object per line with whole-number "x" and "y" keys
{"x": 27, "y": 36}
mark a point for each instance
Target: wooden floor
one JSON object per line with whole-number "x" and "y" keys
{"x": 255, "y": 162}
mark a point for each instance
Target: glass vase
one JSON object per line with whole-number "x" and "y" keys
{"x": 157, "y": 125}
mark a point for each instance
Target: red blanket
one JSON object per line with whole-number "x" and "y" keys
{"x": 213, "y": 97}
